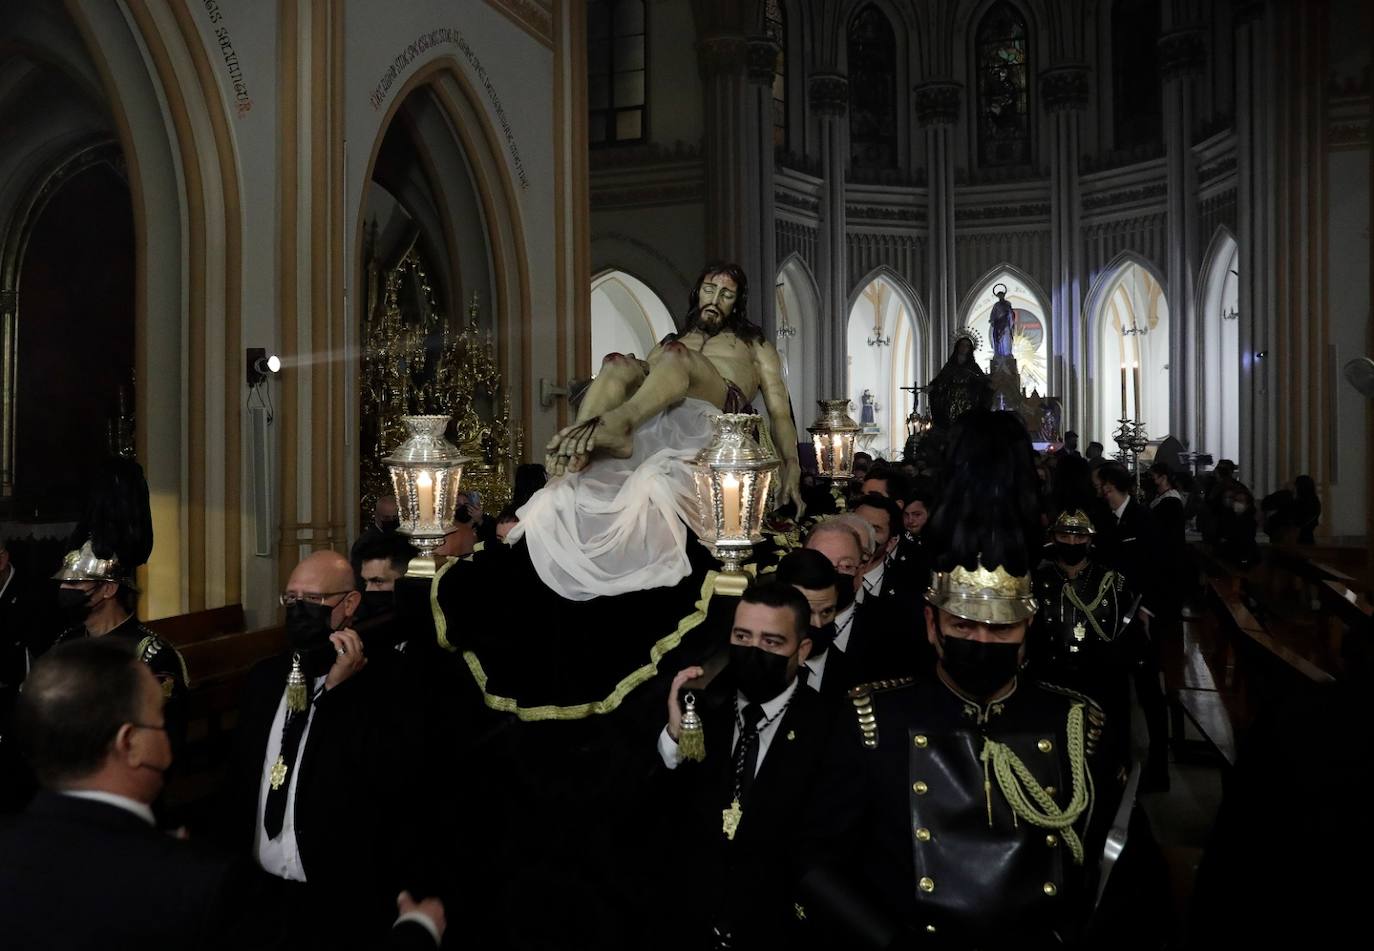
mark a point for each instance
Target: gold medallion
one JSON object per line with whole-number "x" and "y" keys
{"x": 730, "y": 819}
{"x": 278, "y": 774}
{"x": 1079, "y": 631}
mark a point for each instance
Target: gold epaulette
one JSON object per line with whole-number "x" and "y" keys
{"x": 1093, "y": 714}
{"x": 862, "y": 698}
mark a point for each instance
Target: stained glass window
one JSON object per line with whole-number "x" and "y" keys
{"x": 1003, "y": 77}
{"x": 872, "y": 90}
{"x": 615, "y": 71}
{"x": 775, "y": 23}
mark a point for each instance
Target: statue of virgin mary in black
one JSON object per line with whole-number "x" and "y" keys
{"x": 959, "y": 387}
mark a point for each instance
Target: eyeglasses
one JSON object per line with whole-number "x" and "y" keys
{"x": 289, "y": 598}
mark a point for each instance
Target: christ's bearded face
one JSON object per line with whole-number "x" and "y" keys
{"x": 715, "y": 300}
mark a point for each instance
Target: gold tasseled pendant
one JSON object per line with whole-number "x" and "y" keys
{"x": 692, "y": 744}
{"x": 295, "y": 686}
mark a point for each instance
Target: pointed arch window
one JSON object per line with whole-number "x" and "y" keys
{"x": 872, "y": 90}
{"x": 775, "y": 26}
{"x": 616, "y": 71}
{"x": 1137, "y": 106}
{"x": 1003, "y": 88}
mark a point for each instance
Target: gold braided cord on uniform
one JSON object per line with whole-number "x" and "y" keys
{"x": 1108, "y": 580}
{"x": 1020, "y": 787}
{"x": 152, "y": 641}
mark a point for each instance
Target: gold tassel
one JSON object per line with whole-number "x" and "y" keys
{"x": 692, "y": 743}
{"x": 295, "y": 686}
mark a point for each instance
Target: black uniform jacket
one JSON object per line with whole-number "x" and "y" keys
{"x": 744, "y": 883}
{"x": 910, "y": 837}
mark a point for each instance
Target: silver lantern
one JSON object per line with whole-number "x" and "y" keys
{"x": 425, "y": 471}
{"x": 833, "y": 434}
{"x": 733, "y": 474}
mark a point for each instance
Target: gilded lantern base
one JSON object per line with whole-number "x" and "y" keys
{"x": 731, "y": 580}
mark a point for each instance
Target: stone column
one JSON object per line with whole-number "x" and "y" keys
{"x": 1064, "y": 91}
{"x": 761, "y": 256}
{"x": 937, "y": 109}
{"x": 725, "y": 144}
{"x": 1182, "y": 54}
{"x": 828, "y": 94}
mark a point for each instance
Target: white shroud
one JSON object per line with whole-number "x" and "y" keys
{"x": 620, "y": 525}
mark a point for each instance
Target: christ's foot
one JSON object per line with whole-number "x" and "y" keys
{"x": 573, "y": 447}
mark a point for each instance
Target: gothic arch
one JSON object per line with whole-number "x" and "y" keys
{"x": 800, "y": 304}
{"x": 967, "y": 316}
{"x": 634, "y": 319}
{"x": 912, "y": 369}
{"x": 905, "y": 59}
{"x": 1219, "y": 363}
{"x": 615, "y": 249}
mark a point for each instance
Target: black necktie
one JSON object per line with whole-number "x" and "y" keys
{"x": 747, "y": 749}
{"x": 275, "y": 813}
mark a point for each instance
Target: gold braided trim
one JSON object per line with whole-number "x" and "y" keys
{"x": 862, "y": 698}
{"x": 156, "y": 644}
{"x": 578, "y": 711}
{"x": 440, "y": 621}
{"x": 1108, "y": 581}
{"x": 1024, "y": 794}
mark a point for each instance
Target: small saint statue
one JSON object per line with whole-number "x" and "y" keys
{"x": 1003, "y": 323}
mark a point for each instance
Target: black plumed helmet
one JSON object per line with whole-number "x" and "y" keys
{"x": 118, "y": 521}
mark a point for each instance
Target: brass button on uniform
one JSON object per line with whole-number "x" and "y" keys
{"x": 920, "y": 740}
{"x": 1050, "y": 890}
{"x": 930, "y": 929}
{"x": 1050, "y": 790}
{"x": 1051, "y": 840}
{"x": 919, "y": 788}
{"x": 1044, "y": 746}
{"x": 927, "y": 884}
{"x": 922, "y": 834}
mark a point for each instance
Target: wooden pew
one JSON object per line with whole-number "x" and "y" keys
{"x": 183, "y": 629}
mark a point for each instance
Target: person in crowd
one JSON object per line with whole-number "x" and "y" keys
{"x": 1168, "y": 512}
{"x": 462, "y": 540}
{"x": 384, "y": 562}
{"x": 90, "y": 720}
{"x": 913, "y": 555}
{"x": 97, "y": 598}
{"x": 1292, "y": 513}
{"x": 505, "y": 521}
{"x": 811, "y": 573}
{"x": 1070, "y": 446}
{"x": 736, "y": 812}
{"x": 842, "y": 545}
{"x": 319, "y": 790}
{"x": 885, "y": 479}
{"x": 1237, "y": 523}
{"x": 860, "y": 466}
{"x": 887, "y": 619}
{"x": 1095, "y": 455}
{"x": 529, "y": 479}
{"x": 386, "y": 519}
{"x": 1083, "y": 635}
{"x": 974, "y": 759}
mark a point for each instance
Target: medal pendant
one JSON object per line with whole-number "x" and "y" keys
{"x": 730, "y": 819}
{"x": 278, "y": 774}
{"x": 1079, "y": 631}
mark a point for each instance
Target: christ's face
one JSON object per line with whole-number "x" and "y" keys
{"x": 715, "y": 300}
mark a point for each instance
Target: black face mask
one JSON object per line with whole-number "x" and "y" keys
{"x": 1070, "y": 554}
{"x": 74, "y": 604}
{"x": 821, "y": 638}
{"x": 375, "y": 603}
{"x": 388, "y": 525}
{"x": 308, "y": 625}
{"x": 759, "y": 674}
{"x": 978, "y": 668}
{"x": 463, "y": 515}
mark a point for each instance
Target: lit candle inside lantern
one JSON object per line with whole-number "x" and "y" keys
{"x": 836, "y": 452}
{"x": 729, "y": 490}
{"x": 424, "y": 499}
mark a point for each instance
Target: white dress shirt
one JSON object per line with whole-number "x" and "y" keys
{"x": 667, "y": 746}
{"x": 281, "y": 856}
{"x": 816, "y": 665}
{"x": 872, "y": 581}
{"x": 1121, "y": 508}
{"x": 140, "y": 809}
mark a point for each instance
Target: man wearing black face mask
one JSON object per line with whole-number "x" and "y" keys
{"x": 386, "y": 519}
{"x": 812, "y": 574}
{"x": 955, "y": 808}
{"x": 319, "y": 786}
{"x": 1084, "y": 635}
{"x": 735, "y": 815}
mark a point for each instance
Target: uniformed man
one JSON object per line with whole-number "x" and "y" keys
{"x": 955, "y": 808}
{"x": 97, "y": 598}
{"x": 1084, "y": 635}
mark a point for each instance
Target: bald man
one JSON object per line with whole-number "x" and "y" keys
{"x": 321, "y": 769}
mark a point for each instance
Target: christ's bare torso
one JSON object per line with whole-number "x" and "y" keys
{"x": 735, "y": 360}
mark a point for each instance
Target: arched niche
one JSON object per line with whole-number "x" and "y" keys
{"x": 627, "y": 316}
{"x": 887, "y": 348}
{"x": 1220, "y": 363}
{"x": 1031, "y": 334}
{"x": 1128, "y": 346}
{"x": 798, "y": 335}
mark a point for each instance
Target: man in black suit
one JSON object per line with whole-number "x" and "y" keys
{"x": 736, "y": 812}
{"x": 888, "y": 618}
{"x": 812, "y": 574}
{"x": 17, "y": 632}
{"x": 84, "y": 866}
{"x": 320, "y": 790}
{"x": 841, "y": 545}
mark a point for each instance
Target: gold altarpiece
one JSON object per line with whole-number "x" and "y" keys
{"x": 417, "y": 360}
